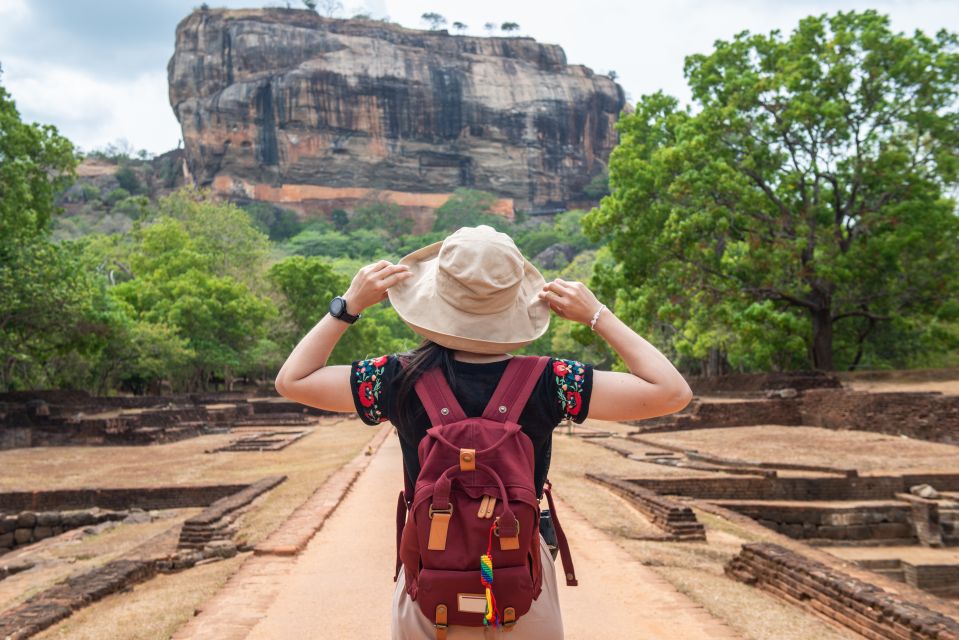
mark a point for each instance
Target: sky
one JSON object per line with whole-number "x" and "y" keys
{"x": 96, "y": 69}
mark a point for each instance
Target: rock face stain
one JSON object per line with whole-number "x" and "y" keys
{"x": 281, "y": 97}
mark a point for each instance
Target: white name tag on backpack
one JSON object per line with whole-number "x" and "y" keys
{"x": 471, "y": 602}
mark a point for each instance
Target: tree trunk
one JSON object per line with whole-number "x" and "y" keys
{"x": 716, "y": 364}
{"x": 822, "y": 338}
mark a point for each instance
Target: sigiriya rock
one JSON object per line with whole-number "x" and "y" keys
{"x": 290, "y": 107}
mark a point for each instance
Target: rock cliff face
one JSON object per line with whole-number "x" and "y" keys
{"x": 288, "y": 106}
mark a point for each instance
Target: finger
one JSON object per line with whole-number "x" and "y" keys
{"x": 379, "y": 266}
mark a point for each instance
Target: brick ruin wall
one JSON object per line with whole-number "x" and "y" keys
{"x": 878, "y": 523}
{"x": 927, "y": 416}
{"x": 798, "y": 488}
{"x": 864, "y": 608}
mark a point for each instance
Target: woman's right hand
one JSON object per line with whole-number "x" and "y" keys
{"x": 370, "y": 283}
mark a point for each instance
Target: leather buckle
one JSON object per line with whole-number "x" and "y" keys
{"x": 495, "y": 525}
{"x": 448, "y": 511}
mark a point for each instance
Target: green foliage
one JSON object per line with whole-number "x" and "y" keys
{"x": 378, "y": 214}
{"x": 195, "y": 271}
{"x": 467, "y": 208}
{"x": 805, "y": 197}
{"x": 133, "y": 207}
{"x": 89, "y": 192}
{"x": 435, "y": 20}
{"x": 598, "y": 186}
{"x": 308, "y": 284}
{"x": 276, "y": 222}
{"x": 36, "y": 163}
{"x": 127, "y": 179}
{"x": 116, "y": 195}
{"x": 509, "y": 27}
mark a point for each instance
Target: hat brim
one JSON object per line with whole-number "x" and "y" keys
{"x": 420, "y": 306}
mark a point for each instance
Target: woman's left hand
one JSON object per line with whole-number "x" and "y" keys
{"x": 570, "y": 300}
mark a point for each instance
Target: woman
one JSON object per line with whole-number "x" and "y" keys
{"x": 474, "y": 298}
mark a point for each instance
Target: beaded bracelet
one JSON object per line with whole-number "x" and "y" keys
{"x": 592, "y": 323}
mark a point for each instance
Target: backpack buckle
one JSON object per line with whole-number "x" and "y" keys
{"x": 506, "y": 543}
{"x": 448, "y": 511}
{"x": 495, "y": 524}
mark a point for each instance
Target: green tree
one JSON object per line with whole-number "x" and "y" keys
{"x": 36, "y": 163}
{"x": 43, "y": 296}
{"x": 467, "y": 207}
{"x": 490, "y": 28}
{"x": 435, "y": 20}
{"x": 376, "y": 213}
{"x": 460, "y": 26}
{"x": 222, "y": 233}
{"x": 127, "y": 178}
{"x": 308, "y": 284}
{"x": 805, "y": 196}
{"x": 509, "y": 27}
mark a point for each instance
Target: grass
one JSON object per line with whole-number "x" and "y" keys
{"x": 157, "y": 607}
{"x": 693, "y": 568}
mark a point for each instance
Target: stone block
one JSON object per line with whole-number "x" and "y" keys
{"x": 39, "y": 533}
{"x": 893, "y": 530}
{"x": 6, "y": 540}
{"x": 7, "y": 524}
{"x": 23, "y": 536}
{"x": 71, "y": 519}
{"x": 48, "y": 519}
{"x": 26, "y": 519}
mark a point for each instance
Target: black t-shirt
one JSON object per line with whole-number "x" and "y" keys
{"x": 562, "y": 393}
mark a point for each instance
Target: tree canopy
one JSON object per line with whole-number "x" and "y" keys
{"x": 800, "y": 214}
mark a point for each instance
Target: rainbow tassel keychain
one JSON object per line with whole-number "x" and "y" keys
{"x": 486, "y": 577}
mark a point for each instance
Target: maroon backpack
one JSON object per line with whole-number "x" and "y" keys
{"x": 470, "y": 544}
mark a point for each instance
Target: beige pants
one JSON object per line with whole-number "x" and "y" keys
{"x": 542, "y": 622}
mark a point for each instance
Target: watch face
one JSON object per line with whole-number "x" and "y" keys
{"x": 337, "y": 307}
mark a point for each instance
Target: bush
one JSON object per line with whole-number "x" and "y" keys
{"x": 467, "y": 208}
{"x": 127, "y": 179}
{"x": 133, "y": 207}
{"x": 89, "y": 192}
{"x": 116, "y": 196}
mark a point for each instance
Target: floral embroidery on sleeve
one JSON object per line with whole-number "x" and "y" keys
{"x": 569, "y": 376}
{"x": 369, "y": 381}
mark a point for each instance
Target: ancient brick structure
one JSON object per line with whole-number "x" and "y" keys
{"x": 862, "y": 607}
{"x": 677, "y": 520}
{"x": 216, "y": 521}
{"x": 797, "y": 488}
{"x": 927, "y": 416}
{"x": 49, "y": 607}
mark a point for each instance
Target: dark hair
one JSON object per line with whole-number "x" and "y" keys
{"x": 421, "y": 359}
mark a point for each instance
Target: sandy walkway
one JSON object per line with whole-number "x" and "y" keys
{"x": 341, "y": 585}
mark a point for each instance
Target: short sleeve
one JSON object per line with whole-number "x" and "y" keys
{"x": 370, "y": 383}
{"x": 571, "y": 383}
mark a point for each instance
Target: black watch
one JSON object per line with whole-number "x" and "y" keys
{"x": 338, "y": 310}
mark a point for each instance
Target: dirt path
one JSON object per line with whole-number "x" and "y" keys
{"x": 341, "y": 584}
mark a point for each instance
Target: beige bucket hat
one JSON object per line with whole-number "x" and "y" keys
{"x": 474, "y": 291}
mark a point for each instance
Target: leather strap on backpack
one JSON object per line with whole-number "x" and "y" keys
{"x": 401, "y": 508}
{"x": 437, "y": 398}
{"x": 514, "y": 388}
{"x": 560, "y": 538}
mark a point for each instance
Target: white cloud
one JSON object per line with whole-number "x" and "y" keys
{"x": 104, "y": 78}
{"x": 92, "y": 112}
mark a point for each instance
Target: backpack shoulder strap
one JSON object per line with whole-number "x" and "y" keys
{"x": 514, "y": 388}
{"x": 437, "y": 398}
